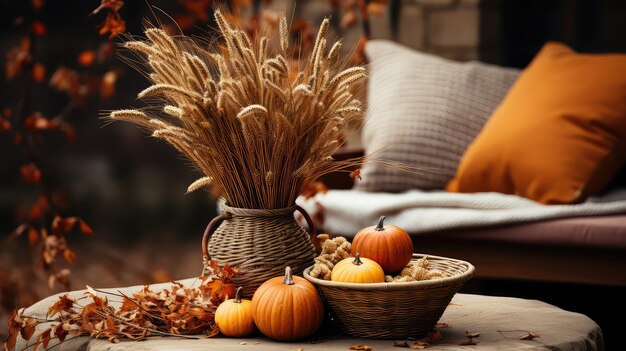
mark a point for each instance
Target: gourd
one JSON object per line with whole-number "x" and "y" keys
{"x": 357, "y": 270}
{"x": 287, "y": 308}
{"x": 390, "y": 246}
{"x": 234, "y": 316}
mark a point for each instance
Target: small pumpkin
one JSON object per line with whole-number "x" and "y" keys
{"x": 389, "y": 245}
{"x": 287, "y": 308}
{"x": 234, "y": 316}
{"x": 357, "y": 270}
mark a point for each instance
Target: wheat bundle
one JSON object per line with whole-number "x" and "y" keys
{"x": 257, "y": 131}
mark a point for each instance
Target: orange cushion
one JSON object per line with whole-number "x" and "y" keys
{"x": 559, "y": 134}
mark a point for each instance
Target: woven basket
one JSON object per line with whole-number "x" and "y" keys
{"x": 394, "y": 310}
{"x": 260, "y": 243}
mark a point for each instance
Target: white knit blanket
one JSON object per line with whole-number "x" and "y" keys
{"x": 347, "y": 211}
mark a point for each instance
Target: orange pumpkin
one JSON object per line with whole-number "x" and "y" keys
{"x": 390, "y": 246}
{"x": 287, "y": 308}
{"x": 357, "y": 270}
{"x": 234, "y": 317}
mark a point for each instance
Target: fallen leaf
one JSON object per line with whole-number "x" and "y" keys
{"x": 416, "y": 345}
{"x": 530, "y": 336}
{"x": 361, "y": 348}
{"x": 472, "y": 338}
{"x": 472, "y": 334}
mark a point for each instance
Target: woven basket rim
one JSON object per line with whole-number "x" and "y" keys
{"x": 258, "y": 212}
{"x": 459, "y": 278}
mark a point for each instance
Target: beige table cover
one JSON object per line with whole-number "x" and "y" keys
{"x": 501, "y": 321}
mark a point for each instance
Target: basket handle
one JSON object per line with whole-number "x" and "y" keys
{"x": 215, "y": 223}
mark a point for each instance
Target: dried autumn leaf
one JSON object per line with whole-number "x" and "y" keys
{"x": 361, "y": 348}
{"x": 44, "y": 338}
{"x": 37, "y": 122}
{"x": 39, "y": 29}
{"x": 69, "y": 132}
{"x": 530, "y": 336}
{"x": 86, "y": 58}
{"x": 14, "y": 330}
{"x": 5, "y": 125}
{"x": 39, "y": 72}
{"x": 33, "y": 236}
{"x": 69, "y": 255}
{"x": 30, "y": 174}
{"x": 419, "y": 345}
{"x": 113, "y": 25}
{"x": 65, "y": 79}
{"x": 313, "y": 189}
{"x": 356, "y": 174}
{"x": 18, "y": 58}
{"x": 111, "y": 5}
{"x": 28, "y": 328}
{"x": 107, "y": 87}
{"x": 37, "y": 4}
{"x": 416, "y": 345}
{"x": 64, "y": 303}
{"x": 105, "y": 52}
{"x": 472, "y": 334}
{"x": 376, "y": 9}
{"x": 199, "y": 9}
{"x": 472, "y": 338}
{"x": 349, "y": 19}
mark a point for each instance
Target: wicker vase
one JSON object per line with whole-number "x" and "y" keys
{"x": 260, "y": 243}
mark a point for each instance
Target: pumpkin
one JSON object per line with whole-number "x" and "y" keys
{"x": 357, "y": 270}
{"x": 234, "y": 317}
{"x": 287, "y": 308}
{"x": 389, "y": 245}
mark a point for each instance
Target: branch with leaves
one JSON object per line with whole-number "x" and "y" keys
{"x": 178, "y": 311}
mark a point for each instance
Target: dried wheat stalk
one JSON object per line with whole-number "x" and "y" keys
{"x": 256, "y": 134}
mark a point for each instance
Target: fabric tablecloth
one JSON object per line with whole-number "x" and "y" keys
{"x": 501, "y": 322}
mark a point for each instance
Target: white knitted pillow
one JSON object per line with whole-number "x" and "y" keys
{"x": 424, "y": 111}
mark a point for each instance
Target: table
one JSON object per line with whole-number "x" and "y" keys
{"x": 501, "y": 321}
